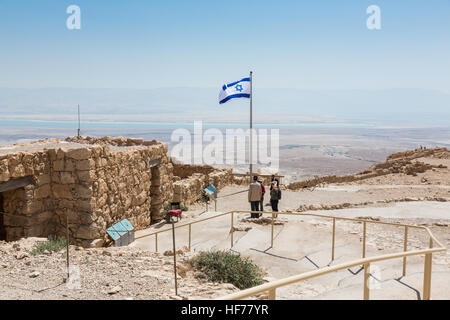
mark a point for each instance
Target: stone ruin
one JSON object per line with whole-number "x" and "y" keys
{"x": 190, "y": 181}
{"x": 91, "y": 182}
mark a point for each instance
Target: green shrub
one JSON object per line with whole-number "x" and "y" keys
{"x": 52, "y": 244}
{"x": 227, "y": 267}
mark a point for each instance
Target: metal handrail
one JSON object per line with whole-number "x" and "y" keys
{"x": 272, "y": 286}
{"x": 183, "y": 225}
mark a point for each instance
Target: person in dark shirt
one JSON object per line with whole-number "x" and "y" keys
{"x": 272, "y": 180}
{"x": 263, "y": 190}
{"x": 275, "y": 196}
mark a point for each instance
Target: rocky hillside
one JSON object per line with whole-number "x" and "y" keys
{"x": 409, "y": 163}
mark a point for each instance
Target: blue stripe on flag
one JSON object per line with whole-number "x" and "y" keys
{"x": 237, "y": 95}
{"x": 233, "y": 83}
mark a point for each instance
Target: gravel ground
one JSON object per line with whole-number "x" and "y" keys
{"x": 106, "y": 273}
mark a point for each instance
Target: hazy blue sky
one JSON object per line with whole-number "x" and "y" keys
{"x": 288, "y": 44}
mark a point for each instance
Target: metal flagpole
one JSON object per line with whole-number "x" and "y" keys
{"x": 251, "y": 128}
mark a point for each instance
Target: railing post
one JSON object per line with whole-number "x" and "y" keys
{"x": 364, "y": 240}
{"x": 156, "y": 242}
{"x": 427, "y": 277}
{"x": 427, "y": 274}
{"x": 333, "y": 240}
{"x": 272, "y": 294}
{"x": 190, "y": 236}
{"x": 405, "y": 248}
{"x": 174, "y": 257}
{"x": 271, "y": 236}
{"x": 366, "y": 281}
{"x": 232, "y": 229}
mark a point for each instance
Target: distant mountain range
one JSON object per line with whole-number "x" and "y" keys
{"x": 415, "y": 106}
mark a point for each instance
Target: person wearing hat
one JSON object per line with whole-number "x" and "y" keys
{"x": 275, "y": 196}
{"x": 263, "y": 190}
{"x": 254, "y": 196}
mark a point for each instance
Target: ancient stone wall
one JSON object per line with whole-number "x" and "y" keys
{"x": 162, "y": 186}
{"x": 186, "y": 170}
{"x": 28, "y": 210}
{"x": 194, "y": 178}
{"x": 96, "y": 188}
{"x": 93, "y": 186}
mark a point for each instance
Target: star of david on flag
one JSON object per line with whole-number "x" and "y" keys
{"x": 238, "y": 89}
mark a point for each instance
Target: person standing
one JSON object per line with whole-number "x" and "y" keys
{"x": 272, "y": 180}
{"x": 263, "y": 190}
{"x": 275, "y": 196}
{"x": 254, "y": 196}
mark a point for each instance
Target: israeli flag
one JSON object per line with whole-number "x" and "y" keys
{"x": 238, "y": 89}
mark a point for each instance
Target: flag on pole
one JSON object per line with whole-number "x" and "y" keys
{"x": 238, "y": 89}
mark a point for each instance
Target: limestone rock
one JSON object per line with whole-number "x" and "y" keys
{"x": 97, "y": 243}
{"x": 21, "y": 255}
{"x": 34, "y": 274}
{"x": 114, "y": 290}
{"x": 79, "y": 154}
